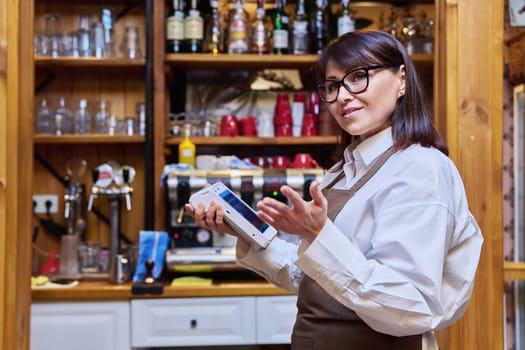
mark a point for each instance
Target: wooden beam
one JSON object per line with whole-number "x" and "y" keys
{"x": 16, "y": 132}
{"x": 470, "y": 83}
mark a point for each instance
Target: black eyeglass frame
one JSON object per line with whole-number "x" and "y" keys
{"x": 341, "y": 82}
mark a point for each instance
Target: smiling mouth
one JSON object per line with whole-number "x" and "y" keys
{"x": 349, "y": 111}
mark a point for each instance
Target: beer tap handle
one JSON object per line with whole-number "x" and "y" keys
{"x": 95, "y": 173}
{"x": 67, "y": 206}
{"x": 125, "y": 175}
{"x": 90, "y": 202}
{"x": 128, "y": 200}
{"x": 126, "y": 188}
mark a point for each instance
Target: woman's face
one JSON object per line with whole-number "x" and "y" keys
{"x": 369, "y": 112}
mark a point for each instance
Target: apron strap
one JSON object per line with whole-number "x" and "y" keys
{"x": 345, "y": 195}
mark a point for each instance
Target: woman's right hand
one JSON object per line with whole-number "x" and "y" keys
{"x": 212, "y": 219}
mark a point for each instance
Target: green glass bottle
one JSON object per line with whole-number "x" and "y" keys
{"x": 280, "y": 29}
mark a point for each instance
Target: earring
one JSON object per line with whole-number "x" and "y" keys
{"x": 401, "y": 92}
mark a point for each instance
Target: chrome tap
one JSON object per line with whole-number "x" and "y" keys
{"x": 74, "y": 198}
{"x": 74, "y": 210}
{"x": 113, "y": 183}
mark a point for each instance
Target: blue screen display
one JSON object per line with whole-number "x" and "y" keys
{"x": 244, "y": 210}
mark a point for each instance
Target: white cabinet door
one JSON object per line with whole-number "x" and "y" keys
{"x": 193, "y": 321}
{"x": 80, "y": 326}
{"x": 275, "y": 319}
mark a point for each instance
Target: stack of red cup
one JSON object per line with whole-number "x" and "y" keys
{"x": 282, "y": 119}
{"x": 309, "y": 127}
{"x": 229, "y": 125}
{"x": 248, "y": 126}
{"x": 310, "y": 119}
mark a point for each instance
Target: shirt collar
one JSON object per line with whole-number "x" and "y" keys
{"x": 371, "y": 147}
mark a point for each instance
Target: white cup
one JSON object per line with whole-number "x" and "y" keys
{"x": 223, "y": 162}
{"x": 265, "y": 125}
{"x": 206, "y": 161}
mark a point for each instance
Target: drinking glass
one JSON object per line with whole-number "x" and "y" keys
{"x": 88, "y": 257}
{"x": 53, "y": 36}
{"x": 131, "y": 44}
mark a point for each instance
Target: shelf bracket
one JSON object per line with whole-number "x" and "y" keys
{"x": 48, "y": 79}
{"x": 63, "y": 180}
{"x": 125, "y": 10}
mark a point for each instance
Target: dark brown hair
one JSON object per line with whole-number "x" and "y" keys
{"x": 412, "y": 118}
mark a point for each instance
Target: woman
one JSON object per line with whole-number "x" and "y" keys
{"x": 389, "y": 248}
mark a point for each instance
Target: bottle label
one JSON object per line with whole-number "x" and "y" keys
{"x": 259, "y": 38}
{"x": 300, "y": 28}
{"x": 175, "y": 28}
{"x": 280, "y": 39}
{"x": 238, "y": 41}
{"x": 194, "y": 27}
{"x": 300, "y": 37}
{"x": 238, "y": 30}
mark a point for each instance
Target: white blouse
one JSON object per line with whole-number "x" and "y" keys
{"x": 402, "y": 253}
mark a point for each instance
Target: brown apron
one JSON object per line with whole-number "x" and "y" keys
{"x": 325, "y": 324}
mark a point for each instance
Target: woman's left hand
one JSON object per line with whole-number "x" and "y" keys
{"x": 301, "y": 217}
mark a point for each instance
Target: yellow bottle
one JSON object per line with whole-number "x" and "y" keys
{"x": 187, "y": 148}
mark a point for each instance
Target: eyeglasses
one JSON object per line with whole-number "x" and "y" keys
{"x": 354, "y": 81}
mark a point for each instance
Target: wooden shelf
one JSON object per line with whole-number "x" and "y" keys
{"x": 86, "y": 139}
{"x": 110, "y": 62}
{"x": 422, "y": 59}
{"x": 254, "y": 61}
{"x": 513, "y": 271}
{"x": 255, "y": 141}
{"x": 239, "y": 61}
{"x": 103, "y": 290}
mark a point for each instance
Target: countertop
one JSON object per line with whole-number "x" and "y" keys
{"x": 103, "y": 290}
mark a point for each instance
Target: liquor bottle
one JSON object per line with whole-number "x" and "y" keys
{"x": 62, "y": 119}
{"x": 175, "y": 28}
{"x": 280, "y": 29}
{"x": 319, "y": 26}
{"x": 187, "y": 148}
{"x": 82, "y": 119}
{"x": 345, "y": 22}
{"x": 43, "y": 120}
{"x": 214, "y": 36}
{"x": 193, "y": 29}
{"x": 260, "y": 33}
{"x": 101, "y": 119}
{"x": 238, "y": 29}
{"x": 300, "y": 35}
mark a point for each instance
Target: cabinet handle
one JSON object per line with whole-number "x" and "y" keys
{"x": 193, "y": 324}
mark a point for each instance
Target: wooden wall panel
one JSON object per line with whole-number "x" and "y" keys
{"x": 470, "y": 103}
{"x": 3, "y": 163}
{"x": 16, "y": 100}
